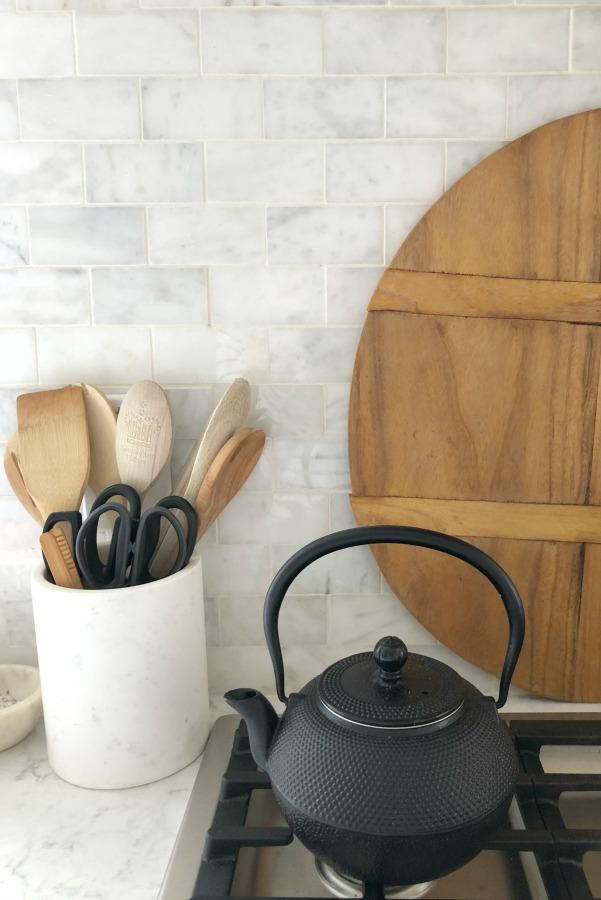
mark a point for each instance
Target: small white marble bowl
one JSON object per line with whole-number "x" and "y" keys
{"x": 21, "y": 683}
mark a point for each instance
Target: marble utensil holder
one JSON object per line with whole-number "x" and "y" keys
{"x": 124, "y": 678}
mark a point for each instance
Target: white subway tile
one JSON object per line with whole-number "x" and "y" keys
{"x": 7, "y": 5}
{"x": 372, "y": 172}
{"x": 446, "y": 107}
{"x": 507, "y": 40}
{"x": 400, "y": 221}
{"x": 208, "y": 107}
{"x": 137, "y": 42}
{"x": 536, "y": 99}
{"x": 143, "y": 173}
{"x": 14, "y": 240}
{"x": 265, "y": 517}
{"x": 8, "y": 411}
{"x": 311, "y": 464}
{"x": 349, "y": 571}
{"x": 206, "y": 235}
{"x": 384, "y": 41}
{"x": 359, "y": 618}
{"x": 79, "y": 236}
{"x": 586, "y": 41}
{"x": 79, "y": 108}
{"x": 464, "y": 155}
{"x": 30, "y": 296}
{"x": 302, "y": 621}
{"x": 98, "y": 355}
{"x": 261, "y": 42}
{"x": 191, "y": 410}
{"x": 9, "y": 118}
{"x": 341, "y": 513}
{"x": 312, "y": 355}
{"x": 76, "y": 4}
{"x": 349, "y": 291}
{"x": 234, "y": 569}
{"x": 337, "y": 397}
{"x": 290, "y": 411}
{"x": 324, "y": 108}
{"x": 319, "y": 235}
{"x": 36, "y": 44}
{"x": 40, "y": 173}
{"x": 196, "y": 355}
{"x": 138, "y": 296}
{"x": 260, "y": 296}
{"x": 268, "y": 172}
{"x": 18, "y": 532}
{"x": 228, "y": 668}
{"x": 18, "y": 356}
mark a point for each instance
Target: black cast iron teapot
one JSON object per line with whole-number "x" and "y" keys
{"x": 388, "y": 766}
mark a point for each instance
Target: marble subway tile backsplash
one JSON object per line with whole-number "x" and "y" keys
{"x": 196, "y": 190}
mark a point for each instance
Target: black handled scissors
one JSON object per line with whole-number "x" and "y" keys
{"x": 134, "y": 538}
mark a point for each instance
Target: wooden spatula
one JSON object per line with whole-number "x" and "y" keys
{"x": 227, "y": 473}
{"x": 102, "y": 427}
{"x": 54, "y": 448}
{"x": 144, "y": 435}
{"x": 14, "y": 476}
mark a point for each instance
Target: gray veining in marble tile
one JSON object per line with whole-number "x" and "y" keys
{"x": 290, "y": 411}
{"x": 194, "y": 355}
{"x": 232, "y": 569}
{"x": 446, "y": 107}
{"x": 79, "y": 109}
{"x": 209, "y": 108}
{"x": 44, "y": 297}
{"x": 312, "y": 355}
{"x": 507, "y": 40}
{"x": 536, "y": 99}
{"x": 136, "y": 296}
{"x": 268, "y": 172}
{"x": 350, "y": 571}
{"x": 18, "y": 356}
{"x": 337, "y": 397}
{"x": 258, "y": 296}
{"x": 365, "y": 619}
{"x": 349, "y": 291}
{"x": 267, "y": 41}
{"x": 311, "y": 464}
{"x": 145, "y": 42}
{"x": 40, "y": 173}
{"x": 302, "y": 621}
{"x": 373, "y": 171}
{"x": 191, "y": 411}
{"x": 38, "y": 44}
{"x": 384, "y": 41}
{"x": 263, "y": 517}
{"x": 206, "y": 235}
{"x": 586, "y": 40}
{"x": 319, "y": 235}
{"x": 75, "y": 236}
{"x": 9, "y": 118}
{"x": 14, "y": 239}
{"x": 143, "y": 173}
{"x": 324, "y": 108}
{"x": 98, "y": 355}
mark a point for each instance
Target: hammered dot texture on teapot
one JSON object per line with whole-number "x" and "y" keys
{"x": 410, "y": 784}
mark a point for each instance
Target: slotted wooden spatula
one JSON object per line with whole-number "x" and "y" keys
{"x": 12, "y": 469}
{"x": 54, "y": 448}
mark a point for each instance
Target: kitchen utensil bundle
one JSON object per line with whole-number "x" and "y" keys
{"x": 373, "y": 761}
{"x": 70, "y": 438}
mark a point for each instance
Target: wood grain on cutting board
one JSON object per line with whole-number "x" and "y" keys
{"x": 474, "y": 406}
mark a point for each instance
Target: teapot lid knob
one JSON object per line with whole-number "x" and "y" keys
{"x": 391, "y": 654}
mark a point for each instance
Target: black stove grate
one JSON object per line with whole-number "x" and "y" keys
{"x": 558, "y": 850}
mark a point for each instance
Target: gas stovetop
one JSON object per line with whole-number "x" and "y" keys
{"x": 234, "y": 842}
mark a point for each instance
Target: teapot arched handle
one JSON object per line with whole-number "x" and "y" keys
{"x": 395, "y": 534}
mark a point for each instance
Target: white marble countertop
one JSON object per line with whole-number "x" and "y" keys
{"x": 58, "y": 841}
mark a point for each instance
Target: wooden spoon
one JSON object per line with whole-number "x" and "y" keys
{"x": 102, "y": 427}
{"x": 227, "y": 473}
{"x": 15, "y": 478}
{"x": 144, "y": 435}
{"x": 54, "y": 448}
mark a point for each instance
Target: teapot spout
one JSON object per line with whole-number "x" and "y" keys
{"x": 261, "y": 720}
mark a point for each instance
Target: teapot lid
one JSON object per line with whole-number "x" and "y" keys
{"x": 390, "y": 688}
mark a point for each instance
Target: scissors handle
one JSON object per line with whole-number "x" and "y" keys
{"x": 111, "y": 574}
{"x": 149, "y": 530}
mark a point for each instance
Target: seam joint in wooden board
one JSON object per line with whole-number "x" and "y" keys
{"x": 487, "y": 297}
{"x": 483, "y": 518}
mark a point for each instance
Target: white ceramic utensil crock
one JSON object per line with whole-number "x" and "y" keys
{"x": 124, "y": 678}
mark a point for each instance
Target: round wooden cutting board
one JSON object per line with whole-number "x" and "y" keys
{"x": 474, "y": 407}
